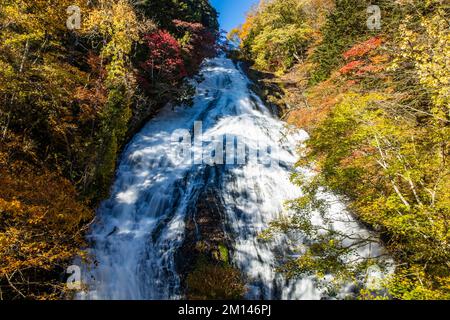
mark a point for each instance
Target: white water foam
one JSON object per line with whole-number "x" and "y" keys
{"x": 141, "y": 226}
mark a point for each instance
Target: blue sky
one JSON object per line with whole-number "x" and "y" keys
{"x": 232, "y": 12}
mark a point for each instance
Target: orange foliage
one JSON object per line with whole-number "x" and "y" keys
{"x": 369, "y": 69}
{"x": 378, "y": 59}
{"x": 363, "y": 48}
{"x": 321, "y": 99}
{"x": 92, "y": 97}
{"x": 351, "y": 66}
{"x": 360, "y": 67}
{"x": 246, "y": 27}
{"x": 40, "y": 226}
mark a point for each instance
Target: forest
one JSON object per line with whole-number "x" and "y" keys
{"x": 368, "y": 80}
{"x": 70, "y": 99}
{"x": 372, "y": 86}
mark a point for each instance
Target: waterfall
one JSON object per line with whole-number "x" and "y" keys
{"x": 165, "y": 167}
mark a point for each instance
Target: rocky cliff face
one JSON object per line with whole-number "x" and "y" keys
{"x": 203, "y": 259}
{"x": 205, "y": 233}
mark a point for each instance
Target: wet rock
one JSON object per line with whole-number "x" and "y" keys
{"x": 204, "y": 235}
{"x": 203, "y": 260}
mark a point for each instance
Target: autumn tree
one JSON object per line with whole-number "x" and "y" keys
{"x": 68, "y": 102}
{"x": 381, "y": 142}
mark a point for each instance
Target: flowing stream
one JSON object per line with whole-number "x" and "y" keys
{"x": 141, "y": 227}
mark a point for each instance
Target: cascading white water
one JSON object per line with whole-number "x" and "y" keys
{"x": 141, "y": 226}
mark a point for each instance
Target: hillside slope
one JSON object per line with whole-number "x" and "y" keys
{"x": 75, "y": 82}
{"x": 371, "y": 84}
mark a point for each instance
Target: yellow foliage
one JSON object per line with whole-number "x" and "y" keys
{"x": 429, "y": 50}
{"x": 117, "y": 23}
{"x": 41, "y": 225}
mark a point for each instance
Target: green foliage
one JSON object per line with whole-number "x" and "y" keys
{"x": 427, "y": 48}
{"x": 117, "y": 24}
{"x": 381, "y": 138}
{"x": 344, "y": 25}
{"x": 276, "y": 35}
{"x": 214, "y": 281}
{"x": 413, "y": 284}
{"x": 396, "y": 176}
{"x": 112, "y": 133}
{"x": 278, "y": 49}
{"x": 224, "y": 256}
{"x": 164, "y": 12}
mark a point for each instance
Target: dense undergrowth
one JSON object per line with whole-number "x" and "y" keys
{"x": 376, "y": 102}
{"x": 69, "y": 100}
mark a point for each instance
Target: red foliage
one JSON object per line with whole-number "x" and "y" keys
{"x": 363, "y": 48}
{"x": 351, "y": 66}
{"x": 201, "y": 44}
{"x": 164, "y": 57}
{"x": 351, "y": 83}
{"x": 169, "y": 60}
{"x": 369, "y": 69}
{"x": 191, "y": 26}
{"x": 360, "y": 67}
